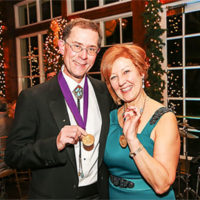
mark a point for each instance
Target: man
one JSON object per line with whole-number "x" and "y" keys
{"x": 48, "y": 128}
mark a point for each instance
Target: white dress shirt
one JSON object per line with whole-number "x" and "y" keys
{"x": 93, "y": 126}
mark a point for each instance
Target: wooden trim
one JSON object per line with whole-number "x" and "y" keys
{"x": 64, "y": 8}
{"x": 138, "y": 8}
{"x": 32, "y": 29}
{"x": 168, "y": 1}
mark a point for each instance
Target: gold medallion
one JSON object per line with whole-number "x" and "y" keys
{"x": 88, "y": 142}
{"x": 122, "y": 141}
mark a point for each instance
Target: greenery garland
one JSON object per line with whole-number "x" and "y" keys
{"x": 155, "y": 85}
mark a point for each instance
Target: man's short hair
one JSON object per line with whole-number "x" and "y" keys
{"x": 82, "y": 23}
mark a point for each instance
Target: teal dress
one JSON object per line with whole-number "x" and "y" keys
{"x": 121, "y": 165}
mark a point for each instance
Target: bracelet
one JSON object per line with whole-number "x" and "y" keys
{"x": 133, "y": 154}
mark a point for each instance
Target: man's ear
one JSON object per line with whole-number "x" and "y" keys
{"x": 61, "y": 45}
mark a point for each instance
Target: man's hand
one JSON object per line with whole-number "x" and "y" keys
{"x": 69, "y": 135}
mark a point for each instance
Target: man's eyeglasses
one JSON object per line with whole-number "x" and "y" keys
{"x": 92, "y": 51}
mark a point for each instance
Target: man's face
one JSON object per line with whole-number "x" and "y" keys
{"x": 78, "y": 64}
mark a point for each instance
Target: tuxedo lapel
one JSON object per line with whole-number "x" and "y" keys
{"x": 59, "y": 111}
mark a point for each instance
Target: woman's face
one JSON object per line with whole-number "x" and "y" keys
{"x": 125, "y": 79}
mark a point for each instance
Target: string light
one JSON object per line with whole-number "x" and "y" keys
{"x": 174, "y": 84}
{"x": 174, "y": 25}
{"x": 2, "y": 68}
{"x": 52, "y": 57}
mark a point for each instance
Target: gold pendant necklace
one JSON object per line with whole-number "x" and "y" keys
{"x": 88, "y": 142}
{"x": 122, "y": 139}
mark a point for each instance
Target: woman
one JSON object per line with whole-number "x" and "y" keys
{"x": 143, "y": 144}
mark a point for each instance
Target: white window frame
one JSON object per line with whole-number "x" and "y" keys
{"x": 40, "y": 58}
{"x": 190, "y": 6}
{"x": 102, "y": 20}
{"x": 69, "y": 6}
{"x": 39, "y": 20}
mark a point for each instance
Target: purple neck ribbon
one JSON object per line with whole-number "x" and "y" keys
{"x": 71, "y": 103}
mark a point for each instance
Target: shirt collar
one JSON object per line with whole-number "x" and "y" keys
{"x": 72, "y": 83}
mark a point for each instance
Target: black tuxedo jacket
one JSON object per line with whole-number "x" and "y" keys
{"x": 40, "y": 114}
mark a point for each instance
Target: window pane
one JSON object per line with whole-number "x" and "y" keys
{"x": 22, "y": 11}
{"x": 174, "y": 52}
{"x": 192, "y": 51}
{"x": 43, "y": 41}
{"x": 192, "y": 22}
{"x": 45, "y": 9}
{"x": 96, "y": 67}
{"x": 25, "y": 67}
{"x": 92, "y": 3}
{"x": 35, "y": 81}
{"x": 112, "y": 33}
{"x": 193, "y": 150}
{"x": 127, "y": 30}
{"x": 193, "y": 109}
{"x": 32, "y": 13}
{"x": 34, "y": 45}
{"x": 56, "y": 7}
{"x": 194, "y": 123}
{"x": 193, "y": 83}
{"x": 24, "y": 47}
{"x": 175, "y": 82}
{"x": 44, "y": 38}
{"x": 174, "y": 25}
{"x": 34, "y": 66}
{"x": 110, "y": 1}
{"x": 176, "y": 106}
{"x": 77, "y": 5}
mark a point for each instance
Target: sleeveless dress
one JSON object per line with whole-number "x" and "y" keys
{"x": 121, "y": 165}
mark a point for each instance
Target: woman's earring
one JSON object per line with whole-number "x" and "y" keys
{"x": 143, "y": 85}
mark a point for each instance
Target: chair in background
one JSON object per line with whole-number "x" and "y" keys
{"x": 21, "y": 176}
{"x": 5, "y": 171}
